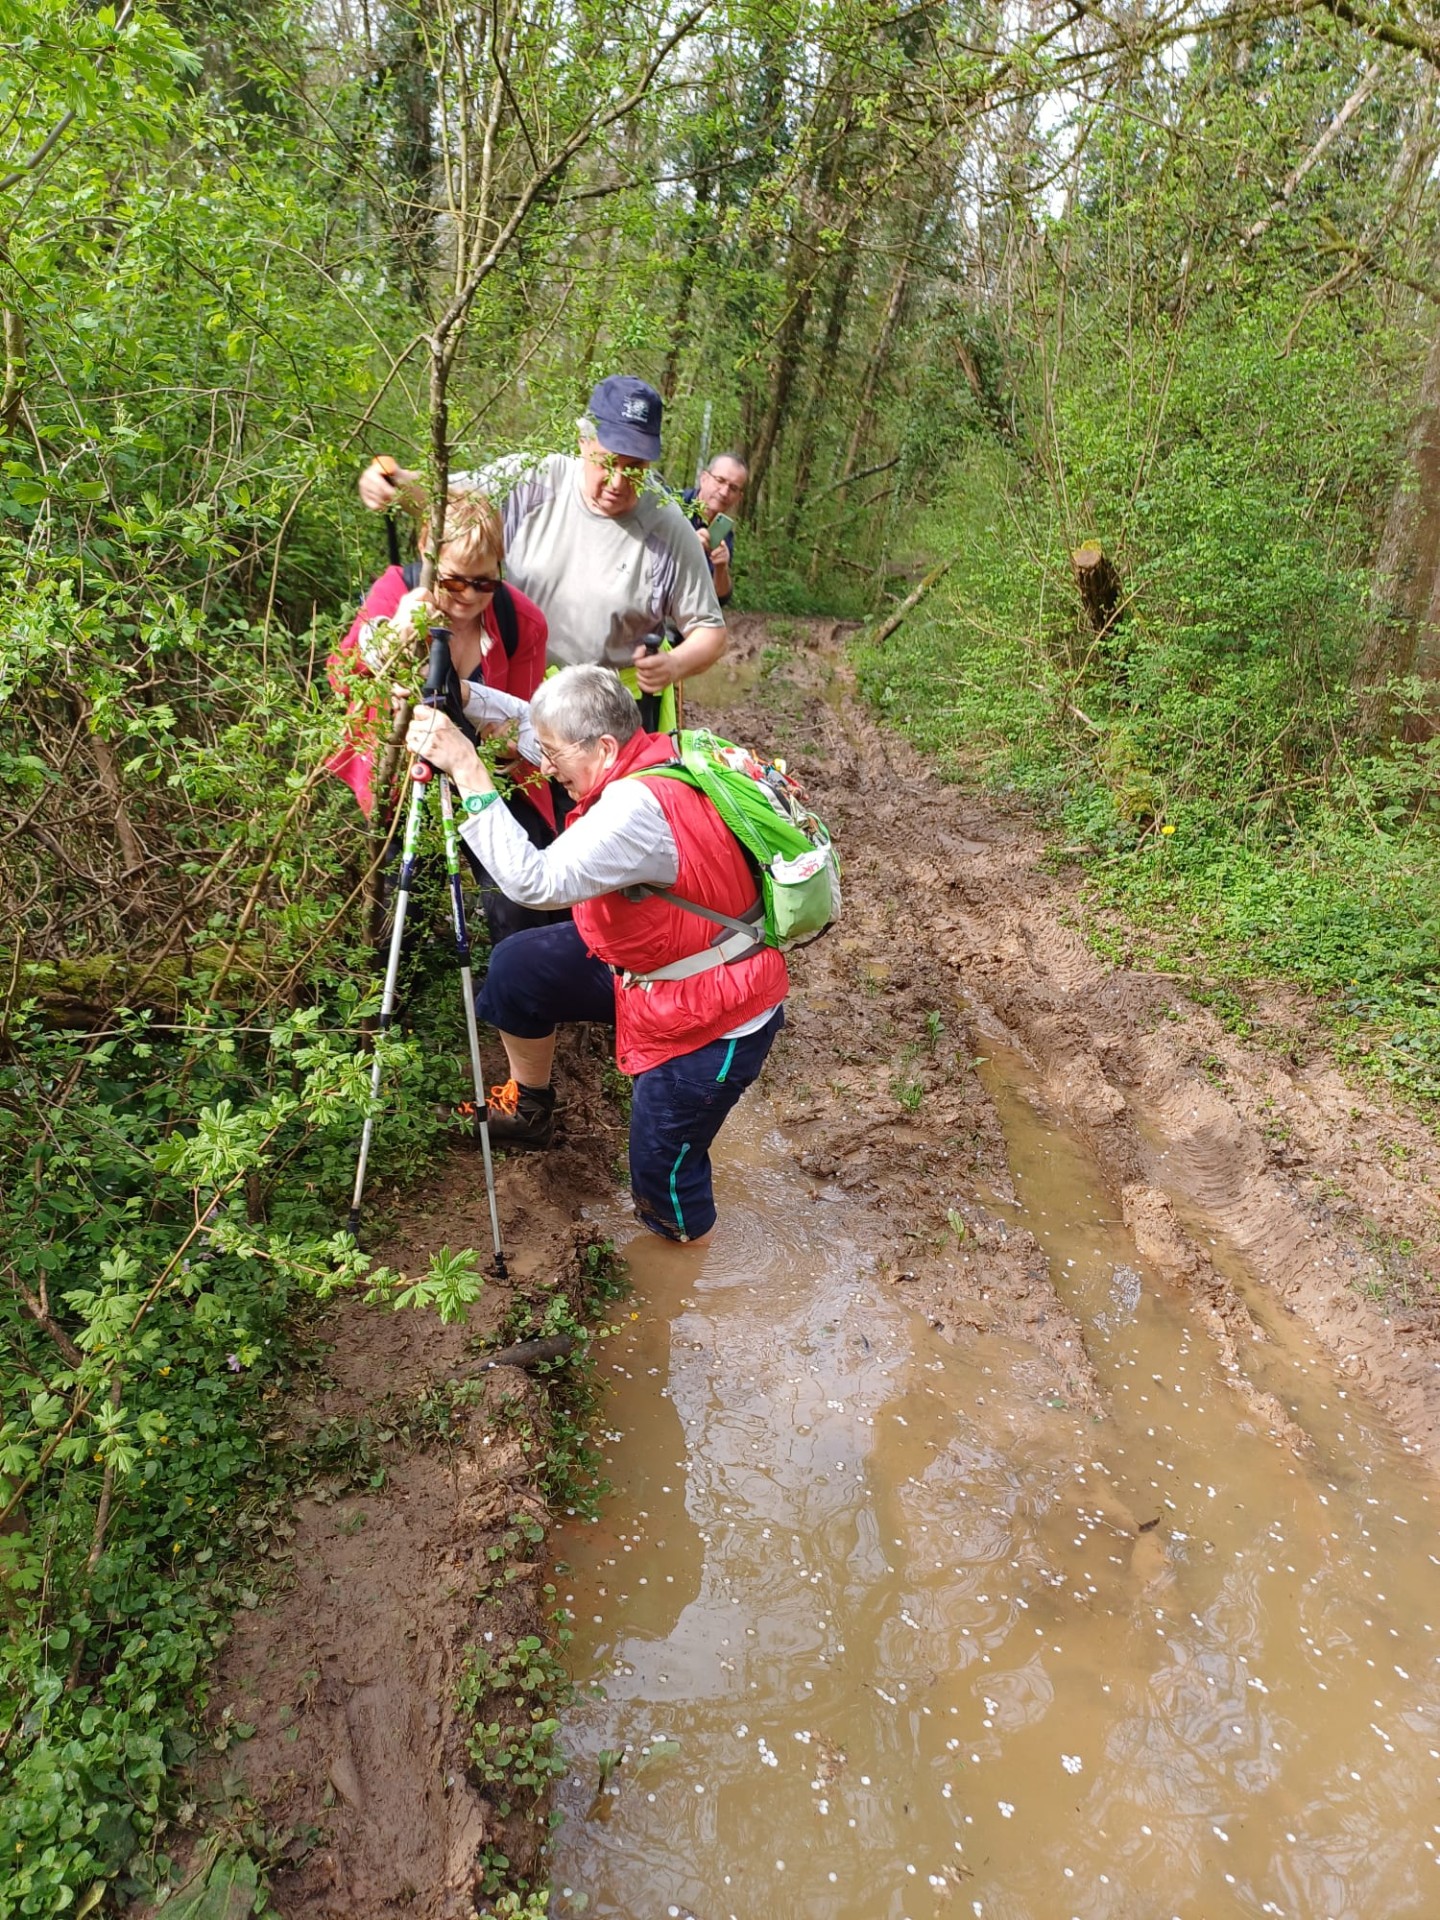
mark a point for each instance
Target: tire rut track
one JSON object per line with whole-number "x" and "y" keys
{"x": 1327, "y": 1193}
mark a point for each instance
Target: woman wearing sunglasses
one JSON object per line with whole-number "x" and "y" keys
{"x": 497, "y": 640}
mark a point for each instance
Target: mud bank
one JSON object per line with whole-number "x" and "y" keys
{"x": 419, "y": 1543}
{"x": 1228, "y": 1159}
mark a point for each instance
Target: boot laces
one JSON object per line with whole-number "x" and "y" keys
{"x": 505, "y": 1099}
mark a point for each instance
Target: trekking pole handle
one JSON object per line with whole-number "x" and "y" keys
{"x": 433, "y": 692}
{"x": 649, "y": 703}
{"x": 389, "y": 466}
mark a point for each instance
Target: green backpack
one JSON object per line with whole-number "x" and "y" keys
{"x": 795, "y": 864}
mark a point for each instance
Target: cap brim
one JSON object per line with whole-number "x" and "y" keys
{"x": 628, "y": 440}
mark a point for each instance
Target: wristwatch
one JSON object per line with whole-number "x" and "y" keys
{"x": 477, "y": 802}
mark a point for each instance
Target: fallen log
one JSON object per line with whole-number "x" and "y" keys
{"x": 532, "y": 1353}
{"x": 86, "y": 993}
{"x": 911, "y": 601}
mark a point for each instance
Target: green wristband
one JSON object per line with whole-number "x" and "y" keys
{"x": 477, "y": 802}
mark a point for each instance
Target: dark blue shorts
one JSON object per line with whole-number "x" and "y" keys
{"x": 542, "y": 978}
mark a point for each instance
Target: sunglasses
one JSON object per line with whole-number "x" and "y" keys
{"x": 477, "y": 582}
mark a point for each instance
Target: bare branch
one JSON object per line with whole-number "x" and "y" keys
{"x": 1369, "y": 80}
{"x": 58, "y": 131}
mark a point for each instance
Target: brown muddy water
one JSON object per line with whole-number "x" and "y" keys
{"x": 882, "y": 1635}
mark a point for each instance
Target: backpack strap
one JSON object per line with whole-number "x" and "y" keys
{"x": 506, "y": 618}
{"x": 737, "y": 939}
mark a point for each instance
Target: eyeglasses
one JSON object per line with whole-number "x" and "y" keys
{"x": 730, "y": 486}
{"x": 617, "y": 466}
{"x": 556, "y": 754}
{"x": 477, "y": 582}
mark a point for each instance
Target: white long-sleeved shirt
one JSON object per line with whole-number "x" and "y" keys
{"x": 624, "y": 840}
{"x": 489, "y": 707}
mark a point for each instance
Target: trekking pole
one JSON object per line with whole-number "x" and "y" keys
{"x": 649, "y": 703}
{"x": 419, "y": 775}
{"x": 413, "y": 814}
{"x": 467, "y": 995}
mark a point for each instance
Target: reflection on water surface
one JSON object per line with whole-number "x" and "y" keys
{"x": 883, "y": 1635}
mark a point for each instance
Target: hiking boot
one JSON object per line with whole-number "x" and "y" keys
{"x": 521, "y": 1117}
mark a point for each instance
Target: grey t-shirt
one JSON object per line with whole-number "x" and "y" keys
{"x": 602, "y": 584}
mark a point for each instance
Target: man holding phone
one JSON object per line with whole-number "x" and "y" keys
{"x": 712, "y": 506}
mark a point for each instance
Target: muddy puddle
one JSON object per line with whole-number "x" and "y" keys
{"x": 879, "y": 1632}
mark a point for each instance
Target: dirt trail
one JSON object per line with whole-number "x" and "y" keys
{"x": 954, "y": 935}
{"x": 1329, "y": 1196}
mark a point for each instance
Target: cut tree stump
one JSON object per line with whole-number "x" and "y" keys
{"x": 1099, "y": 583}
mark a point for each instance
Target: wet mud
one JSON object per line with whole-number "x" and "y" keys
{"x": 1275, "y": 1224}
{"x": 1027, "y": 1504}
{"x": 417, "y": 1542}
{"x": 1326, "y": 1194}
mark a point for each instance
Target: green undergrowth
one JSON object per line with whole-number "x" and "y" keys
{"x": 1204, "y": 763}
{"x": 568, "y": 1460}
{"x": 784, "y": 576}
{"x": 169, "y": 1206}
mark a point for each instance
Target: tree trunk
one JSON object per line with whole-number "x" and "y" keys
{"x": 13, "y": 394}
{"x": 1404, "y": 630}
{"x": 411, "y": 160}
{"x": 880, "y": 354}
{"x": 702, "y": 229}
{"x": 1099, "y": 584}
{"x": 784, "y": 365}
{"x": 822, "y": 383}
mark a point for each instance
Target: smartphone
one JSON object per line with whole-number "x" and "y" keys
{"x": 719, "y": 527}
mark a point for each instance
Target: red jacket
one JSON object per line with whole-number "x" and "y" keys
{"x": 655, "y": 1023}
{"x": 355, "y": 761}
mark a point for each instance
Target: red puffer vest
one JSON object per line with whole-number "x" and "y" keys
{"x": 655, "y": 1023}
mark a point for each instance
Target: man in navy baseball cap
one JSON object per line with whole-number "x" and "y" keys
{"x": 609, "y": 561}
{"x": 627, "y": 416}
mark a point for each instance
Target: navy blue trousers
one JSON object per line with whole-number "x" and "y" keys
{"x": 540, "y": 979}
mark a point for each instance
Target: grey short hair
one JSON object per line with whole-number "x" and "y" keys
{"x": 578, "y": 704}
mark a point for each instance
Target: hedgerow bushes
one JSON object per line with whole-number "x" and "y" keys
{"x": 1205, "y": 757}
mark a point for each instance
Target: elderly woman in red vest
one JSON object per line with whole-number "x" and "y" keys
{"x": 694, "y": 1012}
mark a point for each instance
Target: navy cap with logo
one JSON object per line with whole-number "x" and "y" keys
{"x": 627, "y": 414}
